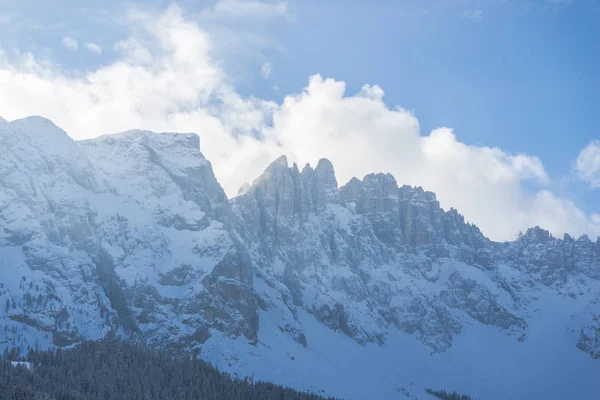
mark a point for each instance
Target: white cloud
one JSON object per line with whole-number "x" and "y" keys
{"x": 70, "y": 43}
{"x": 587, "y": 164}
{"x": 562, "y": 215}
{"x": 475, "y": 15}
{"x": 94, "y": 48}
{"x": 166, "y": 79}
{"x": 265, "y": 70}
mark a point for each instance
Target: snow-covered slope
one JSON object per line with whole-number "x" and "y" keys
{"x": 366, "y": 291}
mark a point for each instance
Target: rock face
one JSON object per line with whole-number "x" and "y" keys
{"x": 589, "y": 339}
{"x": 126, "y": 234}
{"x": 351, "y": 256}
{"x": 372, "y": 256}
{"x": 553, "y": 261}
{"x": 132, "y": 235}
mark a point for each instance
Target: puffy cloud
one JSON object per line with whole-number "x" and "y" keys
{"x": 94, "y": 48}
{"x": 265, "y": 70}
{"x": 70, "y": 43}
{"x": 166, "y": 79}
{"x": 587, "y": 165}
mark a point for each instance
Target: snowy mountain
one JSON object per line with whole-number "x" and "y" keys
{"x": 369, "y": 290}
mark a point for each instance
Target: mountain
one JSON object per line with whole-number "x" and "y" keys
{"x": 368, "y": 290}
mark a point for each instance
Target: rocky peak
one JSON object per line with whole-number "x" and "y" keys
{"x": 554, "y": 259}
{"x": 536, "y": 235}
{"x": 244, "y": 188}
{"x": 376, "y": 193}
{"x": 167, "y": 141}
{"x": 326, "y": 176}
{"x": 280, "y": 164}
{"x": 584, "y": 239}
{"x": 380, "y": 193}
{"x": 376, "y": 197}
{"x": 47, "y": 180}
{"x": 154, "y": 165}
{"x": 319, "y": 186}
{"x": 284, "y": 191}
{"x": 386, "y": 183}
{"x": 36, "y": 146}
{"x": 428, "y": 223}
{"x": 417, "y": 195}
{"x": 408, "y": 215}
{"x": 420, "y": 215}
{"x": 277, "y": 192}
{"x": 276, "y": 177}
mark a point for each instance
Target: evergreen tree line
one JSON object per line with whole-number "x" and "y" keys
{"x": 442, "y": 394}
{"x": 114, "y": 370}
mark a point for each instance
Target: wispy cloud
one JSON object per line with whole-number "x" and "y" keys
{"x": 473, "y": 14}
{"x": 94, "y": 48}
{"x": 265, "y": 70}
{"x": 70, "y": 44}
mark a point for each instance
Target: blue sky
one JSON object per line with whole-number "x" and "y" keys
{"x": 521, "y": 76}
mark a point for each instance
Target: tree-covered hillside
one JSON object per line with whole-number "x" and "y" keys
{"x": 443, "y": 395}
{"x": 112, "y": 370}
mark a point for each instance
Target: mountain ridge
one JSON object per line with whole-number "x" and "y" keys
{"x": 131, "y": 235}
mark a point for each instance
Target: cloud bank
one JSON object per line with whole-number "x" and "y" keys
{"x": 167, "y": 78}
